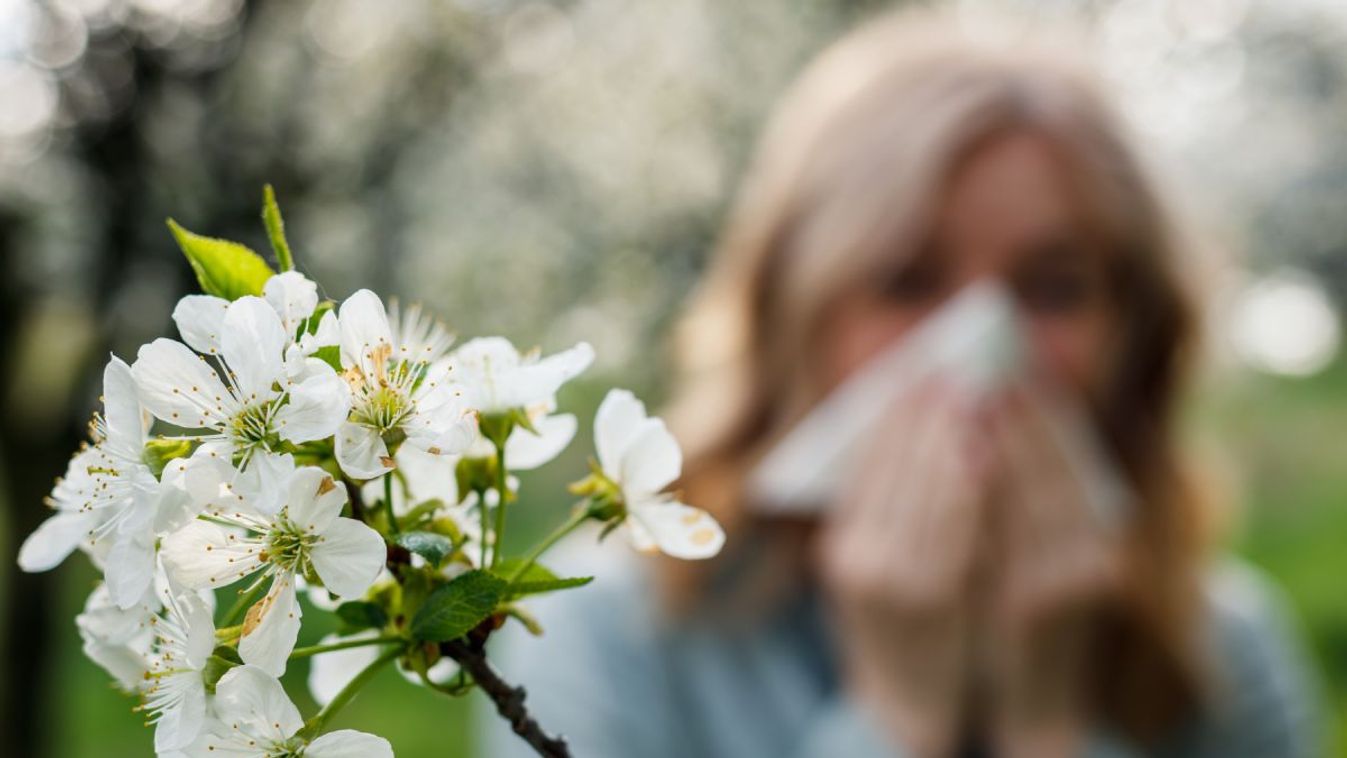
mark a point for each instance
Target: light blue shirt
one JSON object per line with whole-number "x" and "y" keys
{"x": 618, "y": 679}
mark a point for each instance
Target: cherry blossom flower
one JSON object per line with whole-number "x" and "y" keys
{"x": 248, "y": 411}
{"x": 256, "y": 719}
{"x": 306, "y": 536}
{"x": 110, "y": 495}
{"x": 639, "y": 458}
{"x": 294, "y": 297}
{"x": 498, "y": 379}
{"x": 400, "y": 394}
{"x": 118, "y": 639}
{"x": 174, "y": 687}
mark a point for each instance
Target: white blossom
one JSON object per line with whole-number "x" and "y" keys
{"x": 247, "y": 411}
{"x": 174, "y": 688}
{"x": 118, "y": 639}
{"x": 399, "y": 394}
{"x": 306, "y": 536}
{"x": 254, "y": 718}
{"x": 497, "y": 378}
{"x": 110, "y": 495}
{"x": 294, "y": 297}
{"x": 640, "y": 457}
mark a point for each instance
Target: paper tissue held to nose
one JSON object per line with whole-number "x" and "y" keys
{"x": 974, "y": 343}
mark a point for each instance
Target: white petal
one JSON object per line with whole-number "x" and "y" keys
{"x": 427, "y": 476}
{"x": 103, "y": 621}
{"x": 348, "y": 743}
{"x": 364, "y": 328}
{"x": 126, "y": 424}
{"x": 642, "y": 541}
{"x": 200, "y": 630}
{"x": 443, "y": 424}
{"x": 200, "y": 320}
{"x": 54, "y": 539}
{"x": 271, "y": 627}
{"x": 203, "y": 555}
{"x": 174, "y": 506}
{"x": 263, "y": 484}
{"x": 349, "y": 557}
{"x": 330, "y": 672}
{"x": 318, "y": 406}
{"x": 651, "y": 461}
{"x": 313, "y": 499}
{"x": 532, "y": 383}
{"x": 253, "y": 345}
{"x": 130, "y": 569}
{"x": 361, "y": 452}
{"x": 525, "y": 450}
{"x": 179, "y": 387}
{"x": 121, "y": 662}
{"x": 293, "y": 296}
{"x": 209, "y": 478}
{"x": 180, "y": 725}
{"x": 616, "y": 424}
{"x": 253, "y": 699}
{"x": 678, "y": 530}
{"x": 327, "y": 334}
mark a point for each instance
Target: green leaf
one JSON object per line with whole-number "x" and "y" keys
{"x": 433, "y": 547}
{"x": 421, "y": 512}
{"x": 537, "y": 579}
{"x": 455, "y": 608}
{"x": 222, "y": 659}
{"x": 359, "y": 614}
{"x": 331, "y": 355}
{"x": 224, "y": 269}
{"x": 159, "y": 452}
{"x": 271, "y": 217}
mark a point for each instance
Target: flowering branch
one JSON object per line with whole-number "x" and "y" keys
{"x": 286, "y": 419}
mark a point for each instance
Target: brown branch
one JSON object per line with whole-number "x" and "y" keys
{"x": 509, "y": 700}
{"x": 356, "y": 499}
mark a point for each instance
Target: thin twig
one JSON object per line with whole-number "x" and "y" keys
{"x": 509, "y": 700}
{"x": 357, "y": 500}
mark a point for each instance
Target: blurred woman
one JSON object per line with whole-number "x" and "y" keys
{"x": 957, "y": 599}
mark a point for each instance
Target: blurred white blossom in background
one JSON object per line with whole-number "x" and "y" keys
{"x": 595, "y": 143}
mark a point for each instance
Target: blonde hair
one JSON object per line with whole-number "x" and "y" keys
{"x": 845, "y": 179}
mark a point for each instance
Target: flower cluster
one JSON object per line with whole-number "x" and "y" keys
{"x": 288, "y": 446}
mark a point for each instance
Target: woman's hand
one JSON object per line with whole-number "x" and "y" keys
{"x": 897, "y": 559}
{"x": 1057, "y": 566}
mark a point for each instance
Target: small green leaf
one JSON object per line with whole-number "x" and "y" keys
{"x": 359, "y": 614}
{"x": 525, "y": 618}
{"x": 331, "y": 355}
{"x": 421, "y": 512}
{"x": 222, "y": 659}
{"x": 271, "y": 217}
{"x": 537, "y": 579}
{"x": 433, "y": 547}
{"x": 224, "y": 269}
{"x": 158, "y": 452}
{"x": 455, "y": 608}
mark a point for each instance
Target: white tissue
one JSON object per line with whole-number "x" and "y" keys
{"x": 975, "y": 343}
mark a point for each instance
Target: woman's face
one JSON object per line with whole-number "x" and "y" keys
{"x": 1009, "y": 213}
